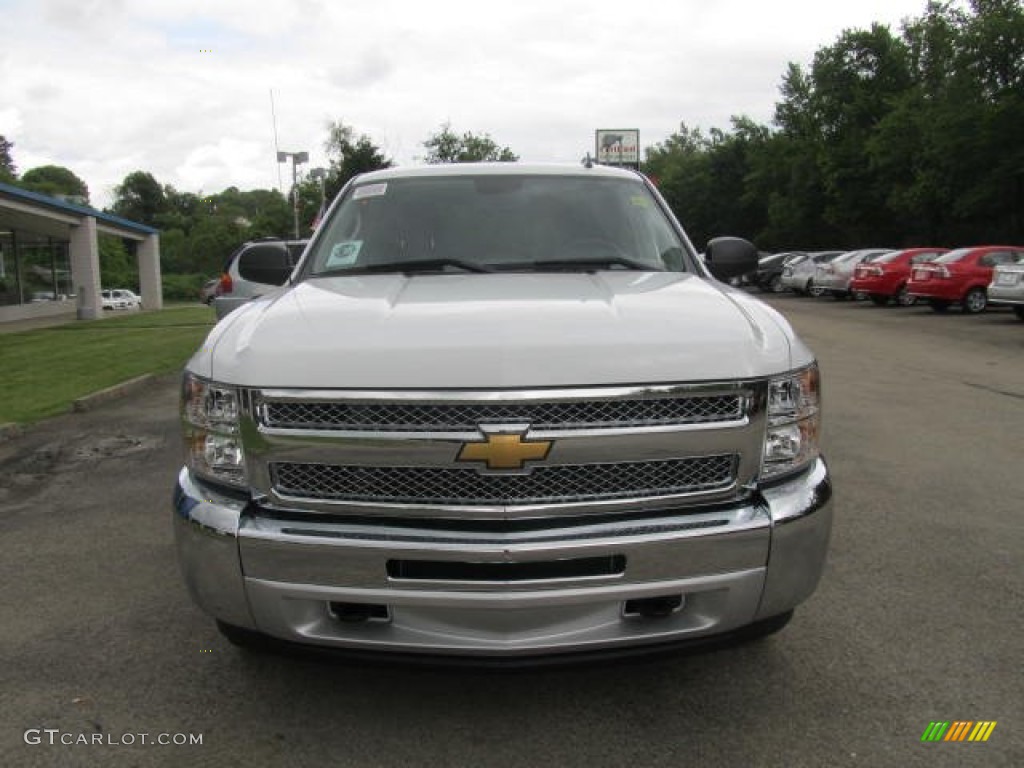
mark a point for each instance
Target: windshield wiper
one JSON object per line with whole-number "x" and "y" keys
{"x": 410, "y": 266}
{"x": 582, "y": 265}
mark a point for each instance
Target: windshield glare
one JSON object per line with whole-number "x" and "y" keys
{"x": 497, "y": 222}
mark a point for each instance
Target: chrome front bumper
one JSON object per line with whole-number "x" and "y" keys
{"x": 730, "y": 564}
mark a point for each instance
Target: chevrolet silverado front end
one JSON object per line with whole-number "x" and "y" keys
{"x": 557, "y": 436}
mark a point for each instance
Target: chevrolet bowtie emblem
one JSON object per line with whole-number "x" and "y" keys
{"x": 505, "y": 451}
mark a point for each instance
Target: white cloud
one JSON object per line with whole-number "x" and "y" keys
{"x": 181, "y": 88}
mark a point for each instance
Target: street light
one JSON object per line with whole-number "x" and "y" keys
{"x": 298, "y": 158}
{"x": 320, "y": 174}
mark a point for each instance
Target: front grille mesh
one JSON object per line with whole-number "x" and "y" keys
{"x": 465, "y": 417}
{"x": 550, "y": 484}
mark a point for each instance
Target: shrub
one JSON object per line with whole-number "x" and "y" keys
{"x": 183, "y": 287}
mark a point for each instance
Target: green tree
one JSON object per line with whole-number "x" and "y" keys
{"x": 704, "y": 179}
{"x": 350, "y": 155}
{"x": 268, "y": 212}
{"x": 948, "y": 151}
{"x": 180, "y": 210}
{"x": 118, "y": 266}
{"x": 682, "y": 167}
{"x": 855, "y": 83}
{"x": 212, "y": 240}
{"x": 448, "y": 147}
{"x": 8, "y": 171}
{"x": 139, "y": 198}
{"x": 55, "y": 180}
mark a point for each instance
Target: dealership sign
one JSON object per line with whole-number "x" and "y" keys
{"x": 619, "y": 146}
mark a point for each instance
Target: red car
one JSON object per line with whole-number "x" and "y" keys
{"x": 960, "y": 276}
{"x": 886, "y": 277}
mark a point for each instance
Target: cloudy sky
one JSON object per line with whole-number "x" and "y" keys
{"x": 182, "y": 88}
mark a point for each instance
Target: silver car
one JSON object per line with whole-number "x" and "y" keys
{"x": 798, "y": 274}
{"x": 834, "y": 277}
{"x": 1007, "y": 286}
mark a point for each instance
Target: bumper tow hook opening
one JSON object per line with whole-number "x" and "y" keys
{"x": 653, "y": 607}
{"x": 358, "y": 613}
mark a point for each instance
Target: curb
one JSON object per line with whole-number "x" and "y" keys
{"x": 90, "y": 401}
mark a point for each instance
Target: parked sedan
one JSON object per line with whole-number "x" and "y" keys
{"x": 798, "y": 274}
{"x": 768, "y": 276}
{"x": 1007, "y": 286}
{"x": 834, "y": 277}
{"x": 961, "y": 276}
{"x": 885, "y": 278}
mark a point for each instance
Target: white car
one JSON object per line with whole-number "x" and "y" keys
{"x": 120, "y": 298}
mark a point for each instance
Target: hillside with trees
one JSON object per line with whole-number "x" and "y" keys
{"x": 884, "y": 139}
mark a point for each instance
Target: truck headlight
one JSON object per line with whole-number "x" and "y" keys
{"x": 213, "y": 441}
{"x": 794, "y": 423}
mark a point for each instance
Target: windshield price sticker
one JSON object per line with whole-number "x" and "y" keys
{"x": 370, "y": 190}
{"x": 344, "y": 254}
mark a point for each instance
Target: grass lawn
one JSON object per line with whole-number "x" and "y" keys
{"x": 42, "y": 371}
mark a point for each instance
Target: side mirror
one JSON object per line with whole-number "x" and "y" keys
{"x": 730, "y": 256}
{"x": 268, "y": 263}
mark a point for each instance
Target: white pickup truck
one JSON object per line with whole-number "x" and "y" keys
{"x": 496, "y": 411}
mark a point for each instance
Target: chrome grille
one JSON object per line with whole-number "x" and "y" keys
{"x": 549, "y": 484}
{"x": 465, "y": 417}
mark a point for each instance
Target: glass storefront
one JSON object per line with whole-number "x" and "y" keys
{"x": 34, "y": 269}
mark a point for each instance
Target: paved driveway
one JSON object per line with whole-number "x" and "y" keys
{"x": 918, "y": 617}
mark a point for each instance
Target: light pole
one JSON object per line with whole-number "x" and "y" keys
{"x": 320, "y": 174}
{"x": 298, "y": 158}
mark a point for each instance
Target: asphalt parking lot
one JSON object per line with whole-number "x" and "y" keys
{"x": 918, "y": 617}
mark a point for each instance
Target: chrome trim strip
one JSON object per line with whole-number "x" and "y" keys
{"x": 474, "y": 434}
{"x": 489, "y": 512}
{"x": 444, "y": 397}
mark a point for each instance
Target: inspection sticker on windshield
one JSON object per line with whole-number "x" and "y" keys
{"x": 344, "y": 254}
{"x": 370, "y": 190}
{"x": 640, "y": 201}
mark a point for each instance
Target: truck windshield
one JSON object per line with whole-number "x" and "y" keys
{"x": 489, "y": 223}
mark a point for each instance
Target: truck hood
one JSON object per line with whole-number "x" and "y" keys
{"x": 510, "y": 330}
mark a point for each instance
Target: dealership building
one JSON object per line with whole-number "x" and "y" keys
{"x": 50, "y": 260}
